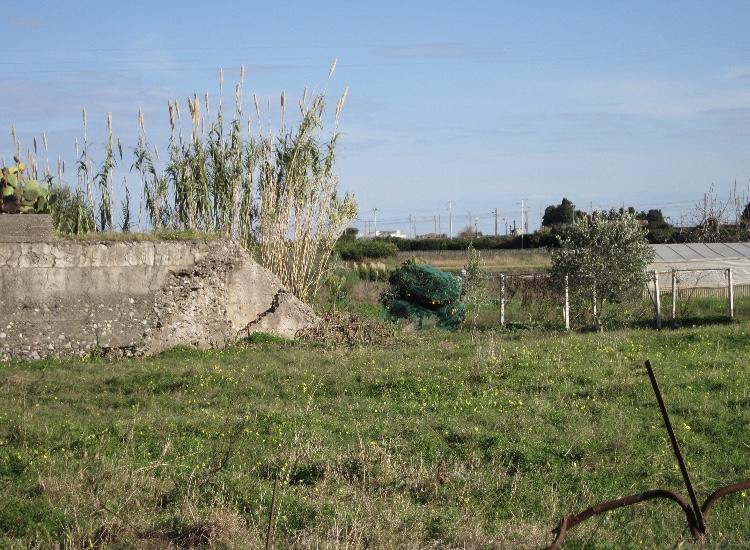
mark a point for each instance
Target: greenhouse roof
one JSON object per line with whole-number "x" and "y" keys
{"x": 700, "y": 251}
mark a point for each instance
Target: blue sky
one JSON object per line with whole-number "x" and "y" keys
{"x": 478, "y": 103}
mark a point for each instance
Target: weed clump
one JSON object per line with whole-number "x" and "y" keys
{"x": 346, "y": 328}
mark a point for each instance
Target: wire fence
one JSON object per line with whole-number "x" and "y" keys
{"x": 677, "y": 296}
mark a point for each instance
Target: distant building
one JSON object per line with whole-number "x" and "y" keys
{"x": 385, "y": 233}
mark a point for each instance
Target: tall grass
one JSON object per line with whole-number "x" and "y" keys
{"x": 272, "y": 190}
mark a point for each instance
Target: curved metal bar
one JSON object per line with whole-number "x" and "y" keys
{"x": 722, "y": 492}
{"x": 568, "y": 522}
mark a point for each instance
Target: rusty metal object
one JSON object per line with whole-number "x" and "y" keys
{"x": 694, "y": 514}
{"x": 722, "y": 492}
{"x": 698, "y": 515}
{"x": 568, "y": 522}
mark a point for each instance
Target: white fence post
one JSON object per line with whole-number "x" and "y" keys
{"x": 594, "y": 301}
{"x": 674, "y": 294}
{"x": 657, "y": 299}
{"x": 502, "y": 299}
{"x": 566, "y": 311}
{"x": 731, "y": 293}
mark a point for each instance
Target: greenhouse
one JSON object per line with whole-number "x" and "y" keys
{"x": 706, "y": 268}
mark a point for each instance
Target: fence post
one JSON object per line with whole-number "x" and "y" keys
{"x": 657, "y": 299}
{"x": 594, "y": 301}
{"x": 566, "y": 311}
{"x": 502, "y": 299}
{"x": 731, "y": 293}
{"x": 674, "y": 294}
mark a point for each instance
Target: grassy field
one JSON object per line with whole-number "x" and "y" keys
{"x": 430, "y": 440}
{"x": 492, "y": 260}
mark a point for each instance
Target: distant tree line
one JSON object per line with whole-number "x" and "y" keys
{"x": 349, "y": 247}
{"x": 709, "y": 228}
{"x": 556, "y": 221}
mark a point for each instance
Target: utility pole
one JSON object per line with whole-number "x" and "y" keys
{"x": 526, "y": 222}
{"x": 521, "y": 224}
{"x": 440, "y": 226}
{"x": 450, "y": 210}
{"x": 434, "y": 221}
{"x": 476, "y": 227}
{"x": 375, "y": 220}
{"x": 495, "y": 222}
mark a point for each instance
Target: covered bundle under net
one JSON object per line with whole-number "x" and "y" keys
{"x": 418, "y": 291}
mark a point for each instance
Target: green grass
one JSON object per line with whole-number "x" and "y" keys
{"x": 433, "y": 440}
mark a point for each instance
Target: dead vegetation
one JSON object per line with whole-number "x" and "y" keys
{"x": 347, "y": 328}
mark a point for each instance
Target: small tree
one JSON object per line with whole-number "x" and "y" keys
{"x": 474, "y": 290}
{"x": 604, "y": 257}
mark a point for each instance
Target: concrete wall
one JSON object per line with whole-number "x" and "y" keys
{"x": 129, "y": 298}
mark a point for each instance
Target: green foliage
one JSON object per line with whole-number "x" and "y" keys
{"x": 371, "y": 271}
{"x": 654, "y": 217}
{"x": 70, "y": 212}
{"x": 473, "y": 279}
{"x": 604, "y": 257}
{"x": 350, "y": 233}
{"x": 266, "y": 338}
{"x": 563, "y": 214}
{"x": 126, "y": 215}
{"x": 103, "y": 181}
{"x": 21, "y": 194}
{"x": 474, "y": 287}
{"x": 536, "y": 240}
{"x": 360, "y": 249}
{"x": 418, "y": 291}
{"x": 338, "y": 282}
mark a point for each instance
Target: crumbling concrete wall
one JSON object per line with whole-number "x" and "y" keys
{"x": 73, "y": 298}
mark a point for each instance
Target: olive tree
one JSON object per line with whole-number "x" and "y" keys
{"x": 605, "y": 258}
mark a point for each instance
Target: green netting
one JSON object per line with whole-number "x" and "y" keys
{"x": 420, "y": 291}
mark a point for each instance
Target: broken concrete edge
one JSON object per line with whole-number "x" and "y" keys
{"x": 130, "y": 298}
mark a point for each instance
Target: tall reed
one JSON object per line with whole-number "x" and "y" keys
{"x": 275, "y": 192}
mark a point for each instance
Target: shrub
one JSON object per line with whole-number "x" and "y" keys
{"x": 535, "y": 240}
{"x": 70, "y": 214}
{"x": 351, "y": 250}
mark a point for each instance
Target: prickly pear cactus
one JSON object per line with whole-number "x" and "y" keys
{"x": 20, "y": 194}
